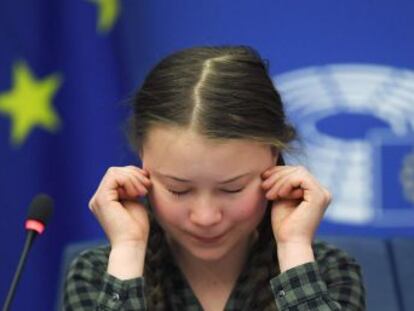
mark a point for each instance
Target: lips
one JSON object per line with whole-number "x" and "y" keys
{"x": 207, "y": 240}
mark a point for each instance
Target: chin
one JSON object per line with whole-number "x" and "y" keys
{"x": 207, "y": 250}
{"x": 211, "y": 254}
{"x": 211, "y": 251}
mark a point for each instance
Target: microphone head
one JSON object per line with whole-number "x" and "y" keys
{"x": 41, "y": 208}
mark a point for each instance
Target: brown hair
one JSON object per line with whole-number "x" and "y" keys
{"x": 220, "y": 92}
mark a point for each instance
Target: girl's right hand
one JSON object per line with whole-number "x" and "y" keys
{"x": 115, "y": 205}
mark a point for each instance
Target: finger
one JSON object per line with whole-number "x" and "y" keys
{"x": 276, "y": 181}
{"x": 302, "y": 182}
{"x": 130, "y": 185}
{"x": 279, "y": 175}
{"x": 108, "y": 181}
{"x": 289, "y": 184}
{"x": 275, "y": 174}
{"x": 136, "y": 169}
{"x": 143, "y": 171}
{"x": 273, "y": 169}
{"x": 139, "y": 174}
{"x": 296, "y": 194}
{"x": 127, "y": 179}
{"x": 122, "y": 194}
{"x": 122, "y": 183}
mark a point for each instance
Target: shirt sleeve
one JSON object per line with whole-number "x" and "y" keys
{"x": 332, "y": 282}
{"x": 89, "y": 287}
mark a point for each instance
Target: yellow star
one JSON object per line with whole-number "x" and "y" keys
{"x": 29, "y": 103}
{"x": 108, "y": 14}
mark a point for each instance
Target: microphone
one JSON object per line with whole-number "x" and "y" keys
{"x": 40, "y": 211}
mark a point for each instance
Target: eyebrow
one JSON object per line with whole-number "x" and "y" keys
{"x": 189, "y": 181}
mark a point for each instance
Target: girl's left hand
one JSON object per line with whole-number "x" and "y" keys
{"x": 299, "y": 202}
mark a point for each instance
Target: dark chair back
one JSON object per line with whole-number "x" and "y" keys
{"x": 403, "y": 257}
{"x": 69, "y": 254}
{"x": 373, "y": 254}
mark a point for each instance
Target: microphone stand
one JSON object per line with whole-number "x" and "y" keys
{"x": 31, "y": 234}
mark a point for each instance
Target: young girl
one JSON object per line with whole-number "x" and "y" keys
{"x": 213, "y": 220}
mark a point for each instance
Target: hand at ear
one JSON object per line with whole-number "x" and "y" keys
{"x": 299, "y": 202}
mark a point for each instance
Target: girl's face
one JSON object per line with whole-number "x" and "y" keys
{"x": 207, "y": 196}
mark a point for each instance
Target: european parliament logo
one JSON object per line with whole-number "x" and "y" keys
{"x": 357, "y": 125}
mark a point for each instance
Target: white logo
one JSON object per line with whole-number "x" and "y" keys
{"x": 351, "y": 117}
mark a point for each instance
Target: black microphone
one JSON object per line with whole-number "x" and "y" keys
{"x": 40, "y": 211}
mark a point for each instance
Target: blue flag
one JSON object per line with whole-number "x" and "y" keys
{"x": 61, "y": 114}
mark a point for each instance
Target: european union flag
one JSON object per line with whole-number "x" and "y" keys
{"x": 61, "y": 77}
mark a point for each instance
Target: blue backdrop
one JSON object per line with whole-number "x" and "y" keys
{"x": 67, "y": 69}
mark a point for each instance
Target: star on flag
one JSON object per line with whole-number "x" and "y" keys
{"x": 108, "y": 12}
{"x": 29, "y": 103}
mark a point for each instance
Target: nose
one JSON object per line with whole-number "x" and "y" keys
{"x": 205, "y": 213}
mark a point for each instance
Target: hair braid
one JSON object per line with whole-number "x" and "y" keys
{"x": 154, "y": 273}
{"x": 263, "y": 266}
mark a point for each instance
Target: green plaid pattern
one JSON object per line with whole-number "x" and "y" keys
{"x": 332, "y": 282}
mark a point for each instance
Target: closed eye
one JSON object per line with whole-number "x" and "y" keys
{"x": 233, "y": 191}
{"x": 179, "y": 193}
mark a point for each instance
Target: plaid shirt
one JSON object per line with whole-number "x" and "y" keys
{"x": 332, "y": 282}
